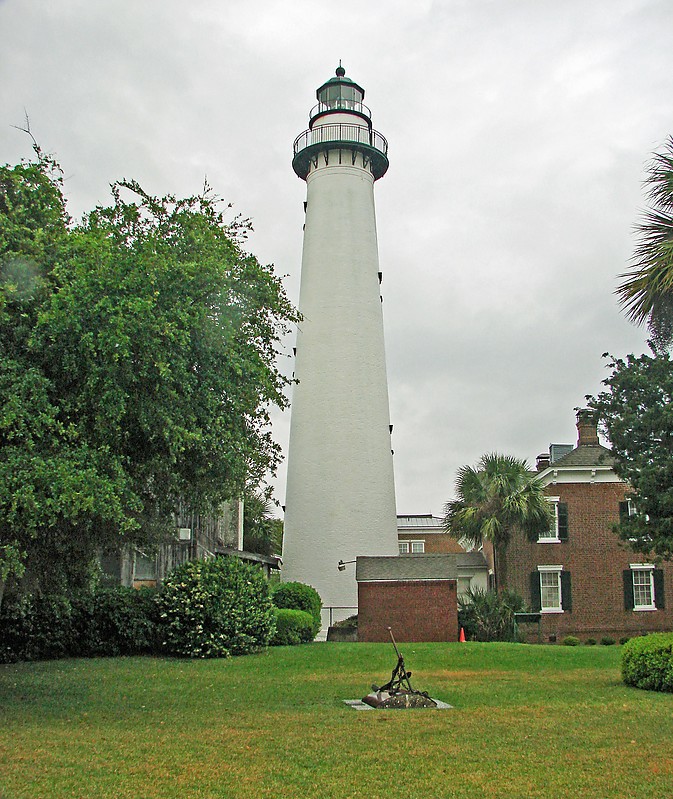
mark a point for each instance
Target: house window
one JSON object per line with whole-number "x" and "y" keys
{"x": 559, "y": 529}
{"x": 145, "y": 567}
{"x": 626, "y": 509}
{"x": 413, "y": 547}
{"x": 642, "y": 575}
{"x": 550, "y": 589}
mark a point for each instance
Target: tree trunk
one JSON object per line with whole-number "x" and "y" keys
{"x": 499, "y": 567}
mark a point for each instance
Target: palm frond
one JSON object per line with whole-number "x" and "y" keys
{"x": 646, "y": 291}
{"x": 497, "y": 498}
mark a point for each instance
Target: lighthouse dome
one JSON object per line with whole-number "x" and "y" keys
{"x": 341, "y": 93}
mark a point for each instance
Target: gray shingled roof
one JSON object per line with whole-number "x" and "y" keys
{"x": 471, "y": 559}
{"x": 587, "y": 455}
{"x": 406, "y": 567}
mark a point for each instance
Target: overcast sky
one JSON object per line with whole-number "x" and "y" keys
{"x": 519, "y": 131}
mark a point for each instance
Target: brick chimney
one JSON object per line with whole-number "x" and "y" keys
{"x": 587, "y": 427}
{"x": 542, "y": 461}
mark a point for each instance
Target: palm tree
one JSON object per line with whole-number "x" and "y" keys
{"x": 646, "y": 293}
{"x": 261, "y": 532}
{"x": 499, "y": 498}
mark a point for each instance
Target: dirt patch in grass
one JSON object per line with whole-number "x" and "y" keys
{"x": 462, "y": 674}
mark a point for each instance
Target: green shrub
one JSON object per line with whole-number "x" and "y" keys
{"x": 350, "y": 623}
{"x": 488, "y": 616}
{"x": 590, "y": 642}
{"x": 215, "y": 608}
{"x": 647, "y": 662}
{"x": 99, "y": 623}
{"x": 607, "y": 640}
{"x": 36, "y": 628}
{"x": 299, "y": 596}
{"x": 122, "y": 621}
{"x": 292, "y": 627}
{"x": 571, "y": 640}
{"x": 623, "y": 639}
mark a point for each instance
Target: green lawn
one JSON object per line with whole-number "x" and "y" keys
{"x": 529, "y": 721}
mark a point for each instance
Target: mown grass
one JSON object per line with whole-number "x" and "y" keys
{"x": 528, "y": 721}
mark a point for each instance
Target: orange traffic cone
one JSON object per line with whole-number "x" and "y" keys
{"x": 462, "y": 636}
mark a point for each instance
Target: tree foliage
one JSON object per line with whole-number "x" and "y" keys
{"x": 137, "y": 367}
{"x": 646, "y": 292}
{"x": 636, "y": 413}
{"x": 498, "y": 498}
{"x": 261, "y": 532}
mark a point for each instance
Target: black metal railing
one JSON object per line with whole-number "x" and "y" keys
{"x": 341, "y": 104}
{"x": 338, "y": 133}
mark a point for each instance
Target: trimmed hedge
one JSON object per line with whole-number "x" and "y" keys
{"x": 292, "y": 627}
{"x": 647, "y": 662}
{"x": 215, "y": 608}
{"x": 124, "y": 622}
{"x": 299, "y": 596}
{"x": 105, "y": 622}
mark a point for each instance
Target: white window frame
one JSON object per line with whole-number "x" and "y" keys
{"x": 413, "y": 546}
{"x": 557, "y": 571}
{"x": 640, "y": 568}
{"x": 552, "y": 536}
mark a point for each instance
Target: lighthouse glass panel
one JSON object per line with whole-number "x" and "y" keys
{"x": 339, "y": 96}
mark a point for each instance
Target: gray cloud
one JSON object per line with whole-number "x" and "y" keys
{"x": 518, "y": 136}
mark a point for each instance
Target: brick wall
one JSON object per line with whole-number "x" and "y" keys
{"x": 595, "y": 558}
{"x": 416, "y": 610}
{"x": 434, "y": 542}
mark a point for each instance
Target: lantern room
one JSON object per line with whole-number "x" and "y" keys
{"x": 340, "y": 94}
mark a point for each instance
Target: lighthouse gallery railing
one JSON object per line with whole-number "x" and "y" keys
{"x": 341, "y": 132}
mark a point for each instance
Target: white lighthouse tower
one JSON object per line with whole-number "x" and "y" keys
{"x": 340, "y": 499}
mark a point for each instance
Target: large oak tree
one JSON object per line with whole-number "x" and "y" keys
{"x": 138, "y": 365}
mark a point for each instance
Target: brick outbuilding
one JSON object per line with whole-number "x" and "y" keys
{"x": 414, "y": 595}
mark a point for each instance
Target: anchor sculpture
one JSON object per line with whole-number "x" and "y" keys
{"x": 397, "y": 693}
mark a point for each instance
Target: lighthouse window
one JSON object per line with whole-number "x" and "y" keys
{"x": 340, "y": 96}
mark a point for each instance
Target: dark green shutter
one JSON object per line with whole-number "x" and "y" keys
{"x": 563, "y": 521}
{"x": 566, "y": 592}
{"x": 659, "y": 601}
{"x": 628, "y": 589}
{"x": 535, "y": 597}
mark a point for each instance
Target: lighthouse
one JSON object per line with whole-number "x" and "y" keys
{"x": 340, "y": 497}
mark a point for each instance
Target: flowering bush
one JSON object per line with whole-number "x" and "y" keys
{"x": 215, "y": 608}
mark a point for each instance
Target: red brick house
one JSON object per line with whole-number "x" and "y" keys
{"x": 583, "y": 579}
{"x": 423, "y": 533}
